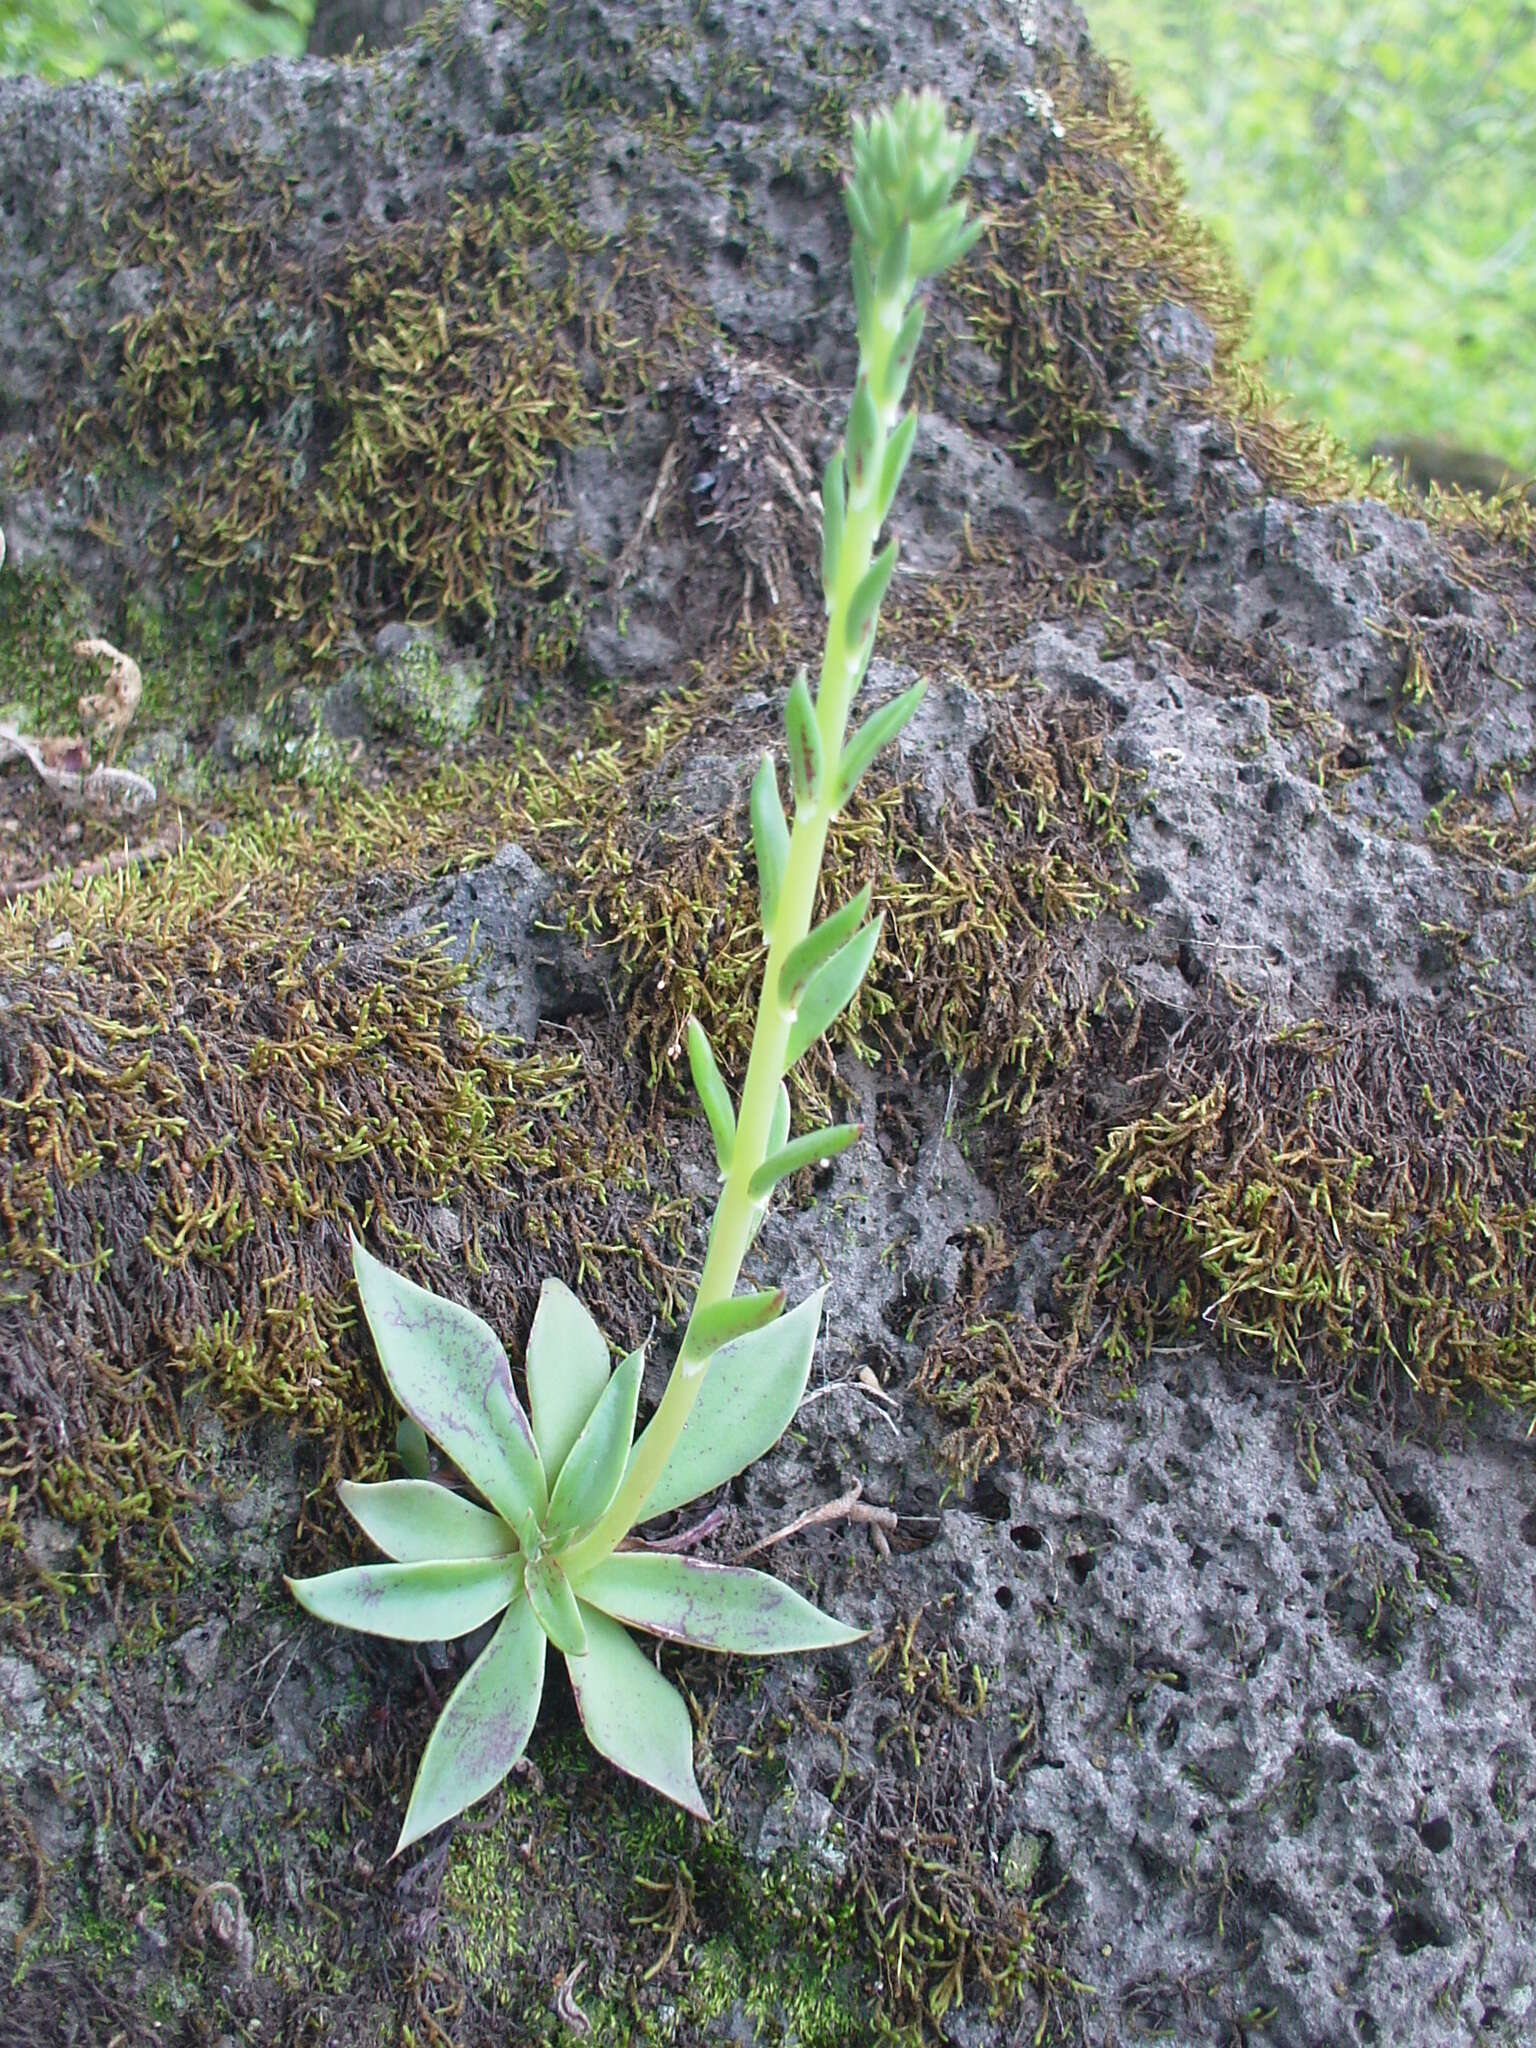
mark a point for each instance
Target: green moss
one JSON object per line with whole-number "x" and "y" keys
{"x": 414, "y": 694}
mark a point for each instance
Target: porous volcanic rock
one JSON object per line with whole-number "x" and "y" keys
{"x": 1179, "y": 1347}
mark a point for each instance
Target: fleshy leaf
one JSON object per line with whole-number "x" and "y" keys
{"x": 632, "y": 1716}
{"x": 831, "y": 989}
{"x": 713, "y": 1093}
{"x": 812, "y": 1148}
{"x": 484, "y": 1728}
{"x": 567, "y": 1366}
{"x": 713, "y": 1606}
{"x": 550, "y": 1596}
{"x": 590, "y": 1476}
{"x": 711, "y": 1327}
{"x": 818, "y": 946}
{"x": 412, "y": 1448}
{"x": 448, "y": 1369}
{"x": 415, "y": 1521}
{"x": 414, "y": 1603}
{"x": 807, "y": 761}
{"x": 877, "y": 731}
{"x": 770, "y": 837}
{"x": 748, "y": 1399}
{"x": 834, "y": 505}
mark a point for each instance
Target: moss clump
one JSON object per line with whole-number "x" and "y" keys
{"x": 413, "y": 693}
{"x": 352, "y": 427}
{"x": 218, "y": 1077}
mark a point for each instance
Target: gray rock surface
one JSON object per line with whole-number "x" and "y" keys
{"x": 1227, "y": 1685}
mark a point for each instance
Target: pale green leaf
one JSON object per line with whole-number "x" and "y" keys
{"x": 483, "y": 1729}
{"x": 807, "y": 764}
{"x": 877, "y": 731}
{"x": 818, "y": 946}
{"x": 748, "y": 1399}
{"x": 567, "y": 1367}
{"x": 770, "y": 837}
{"x": 415, "y": 1521}
{"x": 812, "y": 1148}
{"x": 550, "y": 1596}
{"x": 712, "y": 1606}
{"x": 831, "y": 989}
{"x": 712, "y": 1092}
{"x": 590, "y": 1476}
{"x": 631, "y": 1715}
{"x": 710, "y": 1327}
{"x": 414, "y": 1603}
{"x": 448, "y": 1369}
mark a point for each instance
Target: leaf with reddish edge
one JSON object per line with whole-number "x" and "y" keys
{"x": 711, "y": 1606}
{"x": 447, "y": 1368}
{"x": 632, "y": 1715}
{"x": 414, "y": 1603}
{"x": 484, "y": 1728}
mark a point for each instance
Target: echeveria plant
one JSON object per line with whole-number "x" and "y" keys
{"x": 566, "y": 1481}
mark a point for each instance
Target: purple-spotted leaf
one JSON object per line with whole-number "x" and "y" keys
{"x": 417, "y": 1522}
{"x": 414, "y": 1603}
{"x": 484, "y": 1728}
{"x": 554, "y": 1604}
{"x": 750, "y": 1393}
{"x": 712, "y": 1606}
{"x": 590, "y": 1476}
{"x": 448, "y": 1369}
{"x": 567, "y": 1367}
{"x": 632, "y": 1715}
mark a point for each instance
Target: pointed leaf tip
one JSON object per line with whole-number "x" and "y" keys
{"x": 567, "y": 1368}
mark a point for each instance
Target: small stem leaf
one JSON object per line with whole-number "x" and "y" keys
{"x": 722, "y": 1321}
{"x": 858, "y": 213}
{"x": 590, "y": 1476}
{"x": 862, "y": 434}
{"x": 863, "y": 289}
{"x": 414, "y": 1603}
{"x": 554, "y": 1605}
{"x": 448, "y": 1369}
{"x": 567, "y": 1367}
{"x": 807, "y": 766}
{"x": 903, "y": 356}
{"x": 417, "y": 1522}
{"x": 711, "y": 1606}
{"x": 713, "y": 1093}
{"x": 810, "y": 1150}
{"x": 484, "y": 1728}
{"x": 831, "y": 990}
{"x": 631, "y": 1715}
{"x": 895, "y": 259}
{"x": 770, "y": 838}
{"x": 834, "y": 506}
{"x": 778, "y": 1126}
{"x": 818, "y": 946}
{"x": 865, "y": 608}
{"x": 750, "y": 1393}
{"x": 877, "y": 731}
{"x": 897, "y": 452}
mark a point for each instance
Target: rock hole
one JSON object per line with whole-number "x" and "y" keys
{"x": 1436, "y": 1834}
{"x": 1366, "y": 2028}
{"x": 1004, "y": 1597}
{"x": 1027, "y": 1536}
{"x": 1413, "y": 1930}
{"x": 1080, "y": 1564}
{"x": 989, "y": 1501}
{"x": 807, "y": 262}
{"x": 1528, "y": 1529}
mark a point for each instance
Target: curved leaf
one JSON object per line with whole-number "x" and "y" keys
{"x": 414, "y": 1603}
{"x": 415, "y": 1521}
{"x": 484, "y": 1728}
{"x": 631, "y": 1715}
{"x": 770, "y": 837}
{"x": 554, "y": 1605}
{"x": 712, "y": 1606}
{"x": 709, "y": 1328}
{"x": 713, "y": 1093}
{"x": 818, "y": 946}
{"x": 590, "y": 1476}
{"x": 447, "y": 1369}
{"x": 749, "y": 1396}
{"x": 812, "y": 1148}
{"x": 567, "y": 1368}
